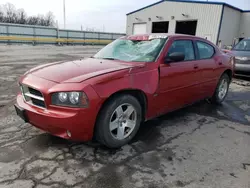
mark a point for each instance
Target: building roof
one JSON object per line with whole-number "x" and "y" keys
{"x": 192, "y": 1}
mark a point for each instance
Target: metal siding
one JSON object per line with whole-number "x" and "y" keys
{"x": 105, "y": 36}
{"x": 244, "y": 26}
{"x": 208, "y": 24}
{"x": 48, "y": 32}
{"x": 191, "y": 1}
{"x": 62, "y": 33}
{"x": 76, "y": 34}
{"x": 20, "y": 30}
{"x": 16, "y": 33}
{"x": 230, "y": 26}
{"x": 3, "y": 30}
{"x": 116, "y": 36}
{"x": 91, "y": 35}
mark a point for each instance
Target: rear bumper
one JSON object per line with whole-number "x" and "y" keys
{"x": 80, "y": 123}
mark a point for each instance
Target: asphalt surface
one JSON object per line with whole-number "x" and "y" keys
{"x": 200, "y": 146}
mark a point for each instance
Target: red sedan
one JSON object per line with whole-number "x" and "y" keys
{"x": 131, "y": 80}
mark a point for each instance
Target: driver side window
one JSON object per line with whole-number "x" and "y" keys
{"x": 185, "y": 47}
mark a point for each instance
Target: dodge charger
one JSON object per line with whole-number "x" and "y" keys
{"x": 133, "y": 79}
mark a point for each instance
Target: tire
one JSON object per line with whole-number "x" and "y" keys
{"x": 219, "y": 95}
{"x": 118, "y": 121}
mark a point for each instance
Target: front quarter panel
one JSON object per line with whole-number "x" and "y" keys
{"x": 144, "y": 79}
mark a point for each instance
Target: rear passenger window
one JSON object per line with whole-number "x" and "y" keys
{"x": 184, "y": 46}
{"x": 206, "y": 51}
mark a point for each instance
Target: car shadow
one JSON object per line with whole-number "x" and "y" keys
{"x": 150, "y": 131}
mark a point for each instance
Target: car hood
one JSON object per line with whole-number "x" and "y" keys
{"x": 241, "y": 53}
{"x": 78, "y": 71}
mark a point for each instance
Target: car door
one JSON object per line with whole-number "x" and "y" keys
{"x": 207, "y": 63}
{"x": 178, "y": 80}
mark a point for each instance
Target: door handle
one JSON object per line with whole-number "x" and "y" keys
{"x": 196, "y": 66}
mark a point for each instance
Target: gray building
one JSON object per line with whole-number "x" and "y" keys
{"x": 219, "y": 22}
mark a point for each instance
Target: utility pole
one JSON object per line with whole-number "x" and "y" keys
{"x": 64, "y": 14}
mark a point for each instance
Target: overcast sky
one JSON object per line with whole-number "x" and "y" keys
{"x": 99, "y": 14}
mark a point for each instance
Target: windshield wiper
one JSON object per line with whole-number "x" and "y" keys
{"x": 109, "y": 58}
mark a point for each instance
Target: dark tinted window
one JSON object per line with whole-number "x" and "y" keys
{"x": 205, "y": 50}
{"x": 184, "y": 46}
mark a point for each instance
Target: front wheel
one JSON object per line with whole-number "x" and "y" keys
{"x": 221, "y": 89}
{"x": 118, "y": 121}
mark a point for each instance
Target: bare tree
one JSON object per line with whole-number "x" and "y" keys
{"x": 9, "y": 14}
{"x": 32, "y": 20}
{"x": 22, "y": 17}
{"x": 1, "y": 14}
{"x": 49, "y": 18}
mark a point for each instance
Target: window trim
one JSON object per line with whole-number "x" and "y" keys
{"x": 198, "y": 53}
{"x": 195, "y": 55}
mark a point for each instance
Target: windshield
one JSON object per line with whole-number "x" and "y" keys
{"x": 131, "y": 50}
{"x": 243, "y": 45}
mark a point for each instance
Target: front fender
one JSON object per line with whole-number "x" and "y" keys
{"x": 146, "y": 81}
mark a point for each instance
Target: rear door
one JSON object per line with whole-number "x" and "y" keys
{"x": 179, "y": 80}
{"x": 207, "y": 63}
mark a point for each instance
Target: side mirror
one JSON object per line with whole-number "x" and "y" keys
{"x": 175, "y": 57}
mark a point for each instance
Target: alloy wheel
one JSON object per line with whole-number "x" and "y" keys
{"x": 123, "y": 121}
{"x": 223, "y": 88}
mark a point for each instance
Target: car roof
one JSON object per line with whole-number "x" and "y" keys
{"x": 158, "y": 35}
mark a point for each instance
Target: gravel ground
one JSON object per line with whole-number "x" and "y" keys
{"x": 199, "y": 146}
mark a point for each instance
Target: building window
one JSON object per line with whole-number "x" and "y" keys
{"x": 186, "y": 27}
{"x": 160, "y": 27}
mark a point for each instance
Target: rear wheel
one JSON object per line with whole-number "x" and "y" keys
{"x": 118, "y": 121}
{"x": 221, "y": 89}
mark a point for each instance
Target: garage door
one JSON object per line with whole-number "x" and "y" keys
{"x": 140, "y": 29}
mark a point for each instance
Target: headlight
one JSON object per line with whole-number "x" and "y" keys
{"x": 74, "y": 97}
{"x": 62, "y": 97}
{"x": 70, "y": 99}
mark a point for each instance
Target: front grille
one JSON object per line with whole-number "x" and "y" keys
{"x": 38, "y": 102}
{"x": 35, "y": 92}
{"x": 238, "y": 61}
{"x": 33, "y": 96}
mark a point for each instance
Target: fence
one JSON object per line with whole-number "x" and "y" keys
{"x": 16, "y": 33}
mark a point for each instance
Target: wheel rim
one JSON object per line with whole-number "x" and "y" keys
{"x": 123, "y": 121}
{"x": 223, "y": 89}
